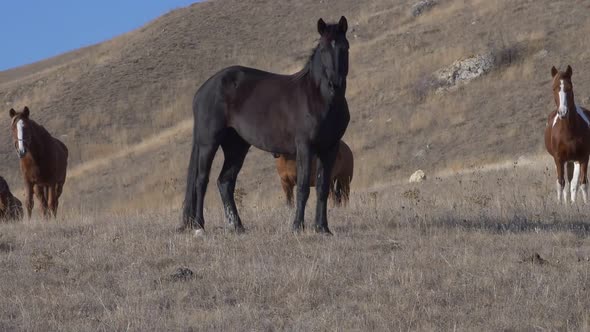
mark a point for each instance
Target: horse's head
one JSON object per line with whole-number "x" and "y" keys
{"x": 21, "y": 135}
{"x": 333, "y": 53}
{"x": 563, "y": 91}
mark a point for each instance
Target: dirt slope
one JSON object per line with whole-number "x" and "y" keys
{"x": 122, "y": 106}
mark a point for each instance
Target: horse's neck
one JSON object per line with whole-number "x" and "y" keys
{"x": 38, "y": 139}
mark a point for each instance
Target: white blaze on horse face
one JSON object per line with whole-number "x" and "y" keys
{"x": 562, "y": 100}
{"x": 19, "y": 134}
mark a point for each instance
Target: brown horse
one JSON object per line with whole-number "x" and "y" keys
{"x": 339, "y": 182}
{"x": 567, "y": 136}
{"x": 11, "y": 209}
{"x": 43, "y": 161}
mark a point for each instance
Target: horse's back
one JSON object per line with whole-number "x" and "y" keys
{"x": 61, "y": 160}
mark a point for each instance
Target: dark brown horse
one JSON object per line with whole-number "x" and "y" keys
{"x": 303, "y": 114}
{"x": 43, "y": 162}
{"x": 339, "y": 183}
{"x": 567, "y": 136}
{"x": 11, "y": 209}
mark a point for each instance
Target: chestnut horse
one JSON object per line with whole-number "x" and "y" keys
{"x": 567, "y": 136}
{"x": 11, "y": 209}
{"x": 304, "y": 114}
{"x": 339, "y": 183}
{"x": 43, "y": 162}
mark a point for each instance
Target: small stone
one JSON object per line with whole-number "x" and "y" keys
{"x": 418, "y": 176}
{"x": 182, "y": 274}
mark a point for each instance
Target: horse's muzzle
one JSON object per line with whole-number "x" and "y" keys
{"x": 562, "y": 112}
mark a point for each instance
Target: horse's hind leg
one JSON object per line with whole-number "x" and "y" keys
{"x": 584, "y": 179}
{"x": 574, "y": 181}
{"x": 234, "y": 151}
{"x": 41, "y": 193}
{"x": 52, "y": 199}
{"x": 205, "y": 159}
{"x": 58, "y": 191}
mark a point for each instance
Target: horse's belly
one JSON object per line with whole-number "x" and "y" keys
{"x": 266, "y": 132}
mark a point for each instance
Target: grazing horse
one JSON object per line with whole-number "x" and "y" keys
{"x": 339, "y": 183}
{"x": 304, "y": 114}
{"x": 43, "y": 161}
{"x": 567, "y": 136}
{"x": 11, "y": 209}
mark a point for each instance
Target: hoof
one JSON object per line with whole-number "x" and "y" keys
{"x": 298, "y": 228}
{"x": 182, "y": 228}
{"x": 187, "y": 228}
{"x": 323, "y": 230}
{"x": 238, "y": 229}
{"x": 199, "y": 232}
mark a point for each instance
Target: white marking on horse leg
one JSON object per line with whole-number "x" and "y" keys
{"x": 583, "y": 115}
{"x": 559, "y": 190}
{"x": 562, "y": 100}
{"x": 199, "y": 232}
{"x": 584, "y": 189}
{"x": 574, "y": 182}
{"x": 565, "y": 182}
{"x": 19, "y": 134}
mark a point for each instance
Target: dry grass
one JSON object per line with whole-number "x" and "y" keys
{"x": 441, "y": 256}
{"x": 466, "y": 250}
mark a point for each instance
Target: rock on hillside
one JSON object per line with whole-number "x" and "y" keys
{"x": 463, "y": 71}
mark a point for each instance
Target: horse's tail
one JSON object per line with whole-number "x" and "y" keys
{"x": 190, "y": 198}
{"x": 342, "y": 191}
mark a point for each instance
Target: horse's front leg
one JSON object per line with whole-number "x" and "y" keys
{"x": 30, "y": 202}
{"x": 325, "y": 164}
{"x": 560, "y": 185}
{"x": 304, "y": 156}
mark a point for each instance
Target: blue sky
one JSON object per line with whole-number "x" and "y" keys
{"x": 33, "y": 30}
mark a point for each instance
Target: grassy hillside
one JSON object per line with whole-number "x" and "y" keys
{"x": 106, "y": 99}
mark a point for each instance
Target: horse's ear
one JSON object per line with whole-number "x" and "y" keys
{"x": 321, "y": 26}
{"x": 343, "y": 24}
{"x": 12, "y": 112}
{"x": 26, "y": 112}
{"x": 568, "y": 71}
{"x": 553, "y": 71}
